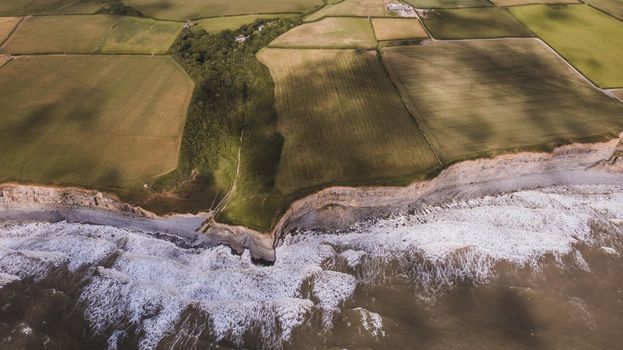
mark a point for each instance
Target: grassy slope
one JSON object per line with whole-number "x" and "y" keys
{"x": 99, "y": 121}
{"x": 361, "y": 8}
{"x": 342, "y": 120}
{"x": 234, "y": 96}
{"x": 332, "y": 32}
{"x": 448, "y": 3}
{"x": 218, "y": 24}
{"x": 138, "y": 35}
{"x": 194, "y": 9}
{"x": 478, "y": 98}
{"x": 591, "y": 40}
{"x": 397, "y": 28}
{"x": 6, "y": 26}
{"x": 71, "y": 34}
{"x": 474, "y": 24}
{"x": 29, "y": 7}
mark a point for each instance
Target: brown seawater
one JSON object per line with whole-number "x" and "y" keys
{"x": 535, "y": 269}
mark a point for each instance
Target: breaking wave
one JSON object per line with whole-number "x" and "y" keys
{"x": 133, "y": 287}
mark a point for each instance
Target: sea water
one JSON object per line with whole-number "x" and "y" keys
{"x": 524, "y": 270}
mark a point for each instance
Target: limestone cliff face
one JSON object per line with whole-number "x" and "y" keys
{"x": 335, "y": 208}
{"x": 21, "y": 196}
{"x": 576, "y": 164}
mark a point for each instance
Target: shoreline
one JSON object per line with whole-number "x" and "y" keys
{"x": 331, "y": 209}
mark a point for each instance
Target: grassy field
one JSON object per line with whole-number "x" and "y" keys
{"x": 529, "y": 2}
{"x": 138, "y": 35}
{"x": 342, "y": 120}
{"x": 70, "y": 34}
{"x": 102, "y": 121}
{"x": 477, "y": 98}
{"x": 30, "y": 7}
{"x": 332, "y": 32}
{"x": 435, "y": 4}
{"x": 613, "y": 7}
{"x": 195, "y": 9}
{"x": 474, "y": 23}
{"x": 397, "y": 28}
{"x": 361, "y": 8}
{"x": 591, "y": 40}
{"x": 6, "y": 27}
{"x": 219, "y": 24}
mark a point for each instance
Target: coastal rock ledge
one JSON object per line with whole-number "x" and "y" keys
{"x": 331, "y": 209}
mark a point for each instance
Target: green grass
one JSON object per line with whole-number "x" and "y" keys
{"x": 332, "y": 32}
{"x": 95, "y": 121}
{"x": 30, "y": 7}
{"x": 591, "y": 40}
{"x": 195, "y": 9}
{"x": 219, "y": 24}
{"x": 474, "y": 23}
{"x": 448, "y": 3}
{"x": 60, "y": 34}
{"x": 613, "y": 7}
{"x": 479, "y": 98}
{"x": 360, "y": 8}
{"x": 342, "y": 120}
{"x": 138, "y": 35}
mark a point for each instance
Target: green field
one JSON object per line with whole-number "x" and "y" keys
{"x": 478, "y": 98}
{"x": 196, "y": 9}
{"x": 331, "y": 32}
{"x": 435, "y": 4}
{"x": 613, "y": 7}
{"x": 591, "y": 40}
{"x": 218, "y": 24}
{"x": 342, "y": 120}
{"x": 398, "y": 28}
{"x": 97, "y": 121}
{"x": 138, "y": 35}
{"x": 70, "y": 34}
{"x": 475, "y": 23}
{"x": 30, "y": 7}
{"x": 360, "y": 8}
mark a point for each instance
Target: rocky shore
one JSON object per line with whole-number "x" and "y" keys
{"x": 334, "y": 208}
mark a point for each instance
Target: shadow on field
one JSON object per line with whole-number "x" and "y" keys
{"x": 485, "y": 97}
{"x": 481, "y": 23}
{"x": 50, "y": 142}
{"x": 345, "y": 124}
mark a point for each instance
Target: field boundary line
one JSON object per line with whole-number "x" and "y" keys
{"x": 604, "y": 11}
{"x": 6, "y": 62}
{"x": 8, "y": 37}
{"x": 409, "y": 105}
{"x": 99, "y": 45}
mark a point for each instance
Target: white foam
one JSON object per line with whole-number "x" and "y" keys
{"x": 371, "y": 322}
{"x": 151, "y": 283}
